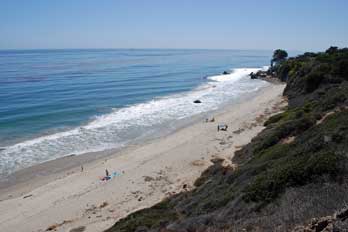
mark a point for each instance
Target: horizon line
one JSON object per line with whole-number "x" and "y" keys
{"x": 106, "y": 48}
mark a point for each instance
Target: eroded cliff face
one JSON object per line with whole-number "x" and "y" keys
{"x": 295, "y": 170}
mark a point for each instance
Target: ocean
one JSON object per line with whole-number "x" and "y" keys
{"x": 55, "y": 103}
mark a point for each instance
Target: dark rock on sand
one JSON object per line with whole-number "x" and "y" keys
{"x": 253, "y": 75}
{"x": 266, "y": 76}
{"x": 258, "y": 75}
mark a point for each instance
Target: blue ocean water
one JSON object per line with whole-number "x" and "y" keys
{"x": 55, "y": 103}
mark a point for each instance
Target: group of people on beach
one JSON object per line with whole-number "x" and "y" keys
{"x": 220, "y": 127}
{"x": 107, "y": 174}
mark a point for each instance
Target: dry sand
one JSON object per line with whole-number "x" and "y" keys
{"x": 148, "y": 173}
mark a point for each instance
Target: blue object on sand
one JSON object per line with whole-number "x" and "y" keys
{"x": 109, "y": 177}
{"x": 115, "y": 174}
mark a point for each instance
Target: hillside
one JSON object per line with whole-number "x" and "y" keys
{"x": 296, "y": 169}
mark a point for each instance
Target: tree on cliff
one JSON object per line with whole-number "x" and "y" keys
{"x": 332, "y": 50}
{"x": 278, "y": 56}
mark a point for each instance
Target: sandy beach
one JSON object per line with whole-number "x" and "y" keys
{"x": 145, "y": 174}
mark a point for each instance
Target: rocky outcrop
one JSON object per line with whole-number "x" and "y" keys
{"x": 265, "y": 75}
{"x": 253, "y": 75}
{"x": 259, "y": 75}
{"x": 336, "y": 223}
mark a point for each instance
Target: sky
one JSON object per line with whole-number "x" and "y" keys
{"x": 304, "y": 25}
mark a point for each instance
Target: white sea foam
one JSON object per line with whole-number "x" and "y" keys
{"x": 234, "y": 76}
{"x": 123, "y": 125}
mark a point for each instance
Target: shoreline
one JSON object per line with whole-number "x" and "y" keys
{"x": 50, "y": 170}
{"x": 148, "y": 172}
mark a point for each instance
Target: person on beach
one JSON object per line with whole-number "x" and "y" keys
{"x": 222, "y": 127}
{"x": 106, "y": 172}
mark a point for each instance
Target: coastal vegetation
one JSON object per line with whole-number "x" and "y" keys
{"x": 279, "y": 56}
{"x": 296, "y": 169}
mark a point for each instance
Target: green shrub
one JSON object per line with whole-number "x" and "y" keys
{"x": 290, "y": 124}
{"x": 274, "y": 119}
{"x": 153, "y": 217}
{"x": 312, "y": 81}
{"x": 292, "y": 171}
{"x": 341, "y": 69}
{"x": 274, "y": 152}
{"x": 333, "y": 98}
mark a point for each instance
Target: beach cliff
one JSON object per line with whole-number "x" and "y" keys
{"x": 292, "y": 176}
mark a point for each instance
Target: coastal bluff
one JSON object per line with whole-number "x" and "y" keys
{"x": 293, "y": 173}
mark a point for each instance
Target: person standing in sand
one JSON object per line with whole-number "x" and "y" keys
{"x": 106, "y": 172}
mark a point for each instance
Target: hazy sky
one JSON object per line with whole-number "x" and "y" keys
{"x": 292, "y": 24}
